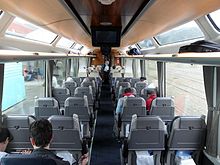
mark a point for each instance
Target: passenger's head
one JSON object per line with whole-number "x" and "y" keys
{"x": 69, "y": 79}
{"x": 107, "y": 62}
{"x": 40, "y": 133}
{"x": 128, "y": 90}
{"x": 152, "y": 92}
{"x": 5, "y": 138}
{"x": 142, "y": 78}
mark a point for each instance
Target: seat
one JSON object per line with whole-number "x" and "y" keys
{"x": 92, "y": 84}
{"x": 45, "y": 107}
{"x": 78, "y": 80}
{"x": 60, "y": 94}
{"x": 186, "y": 134}
{"x": 146, "y": 134}
{"x": 121, "y": 91}
{"x": 19, "y": 129}
{"x": 139, "y": 86}
{"x": 146, "y": 91}
{"x": 163, "y": 107}
{"x": 123, "y": 85}
{"x": 79, "y": 106}
{"x": 132, "y": 105}
{"x": 71, "y": 85}
{"x": 134, "y": 80}
{"x": 87, "y": 91}
{"x": 12, "y": 159}
{"x": 67, "y": 135}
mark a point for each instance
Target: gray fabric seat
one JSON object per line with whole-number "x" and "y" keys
{"x": 163, "y": 107}
{"x": 134, "y": 80}
{"x": 186, "y": 133}
{"x": 79, "y": 106}
{"x": 121, "y": 91}
{"x": 45, "y": 107}
{"x": 61, "y": 94}
{"x": 78, "y": 80}
{"x": 146, "y": 134}
{"x": 71, "y": 85}
{"x": 123, "y": 85}
{"x": 92, "y": 84}
{"x": 132, "y": 105}
{"x": 87, "y": 91}
{"x": 139, "y": 86}
{"x": 146, "y": 91}
{"x": 66, "y": 133}
{"x": 19, "y": 129}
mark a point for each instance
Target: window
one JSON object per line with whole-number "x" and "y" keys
{"x": 24, "y": 29}
{"x": 65, "y": 43}
{"x": 145, "y": 44}
{"x": 19, "y": 97}
{"x": 215, "y": 19}
{"x": 181, "y": 33}
{"x": 77, "y": 46}
{"x": 185, "y": 83}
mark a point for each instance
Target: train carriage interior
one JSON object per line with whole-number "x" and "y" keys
{"x": 124, "y": 82}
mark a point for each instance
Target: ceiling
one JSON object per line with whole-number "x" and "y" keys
{"x": 139, "y": 19}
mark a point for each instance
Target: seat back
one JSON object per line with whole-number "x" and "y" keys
{"x": 45, "y": 107}
{"x": 147, "y": 133}
{"x": 131, "y": 106}
{"x": 134, "y": 80}
{"x": 90, "y": 83}
{"x": 19, "y": 129}
{"x": 187, "y": 133}
{"x": 71, "y": 85}
{"x": 87, "y": 91}
{"x": 77, "y": 80}
{"x": 66, "y": 133}
{"x": 139, "y": 86}
{"x": 79, "y": 106}
{"x": 163, "y": 107}
{"x": 13, "y": 159}
{"x": 123, "y": 85}
{"x": 121, "y": 91}
{"x": 60, "y": 94}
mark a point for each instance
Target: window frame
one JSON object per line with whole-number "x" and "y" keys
{"x": 213, "y": 22}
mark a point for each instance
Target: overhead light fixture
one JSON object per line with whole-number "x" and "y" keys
{"x": 106, "y": 2}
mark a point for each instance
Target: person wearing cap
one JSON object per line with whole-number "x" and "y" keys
{"x": 5, "y": 138}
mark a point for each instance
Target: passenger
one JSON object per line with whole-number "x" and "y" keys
{"x": 128, "y": 92}
{"x": 151, "y": 96}
{"x": 5, "y": 138}
{"x": 41, "y": 136}
{"x": 105, "y": 72}
{"x": 143, "y": 79}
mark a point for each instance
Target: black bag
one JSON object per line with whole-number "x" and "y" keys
{"x": 134, "y": 51}
{"x": 201, "y": 46}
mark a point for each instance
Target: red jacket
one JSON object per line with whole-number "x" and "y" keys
{"x": 149, "y": 101}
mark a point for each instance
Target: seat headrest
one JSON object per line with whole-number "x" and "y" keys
{"x": 147, "y": 123}
{"x": 134, "y": 102}
{"x": 163, "y": 101}
{"x": 124, "y": 84}
{"x": 46, "y": 102}
{"x": 140, "y": 84}
{"x": 60, "y": 91}
{"x": 62, "y": 122}
{"x": 70, "y": 84}
{"x": 191, "y": 123}
{"x": 18, "y": 121}
{"x": 83, "y": 90}
{"x": 76, "y": 102}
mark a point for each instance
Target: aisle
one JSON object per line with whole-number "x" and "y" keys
{"x": 105, "y": 150}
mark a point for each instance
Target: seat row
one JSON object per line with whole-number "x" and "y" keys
{"x": 161, "y": 106}
{"x": 149, "y": 134}
{"x": 67, "y": 134}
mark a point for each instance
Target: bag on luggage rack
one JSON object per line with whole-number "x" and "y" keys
{"x": 201, "y": 46}
{"x": 134, "y": 51}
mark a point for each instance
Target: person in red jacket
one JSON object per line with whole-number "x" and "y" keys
{"x": 151, "y": 96}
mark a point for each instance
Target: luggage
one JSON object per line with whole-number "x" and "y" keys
{"x": 201, "y": 46}
{"x": 134, "y": 51}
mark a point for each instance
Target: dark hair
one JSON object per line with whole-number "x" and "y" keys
{"x": 142, "y": 78}
{"x": 4, "y": 134}
{"x": 128, "y": 90}
{"x": 41, "y": 132}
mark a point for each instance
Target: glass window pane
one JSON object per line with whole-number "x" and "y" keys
{"x": 215, "y": 16}
{"x": 181, "y": 33}
{"x": 24, "y": 29}
{"x": 19, "y": 97}
{"x": 58, "y": 73}
{"x": 65, "y": 43}
{"x": 146, "y": 44}
{"x": 77, "y": 46}
{"x": 151, "y": 72}
{"x": 185, "y": 83}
